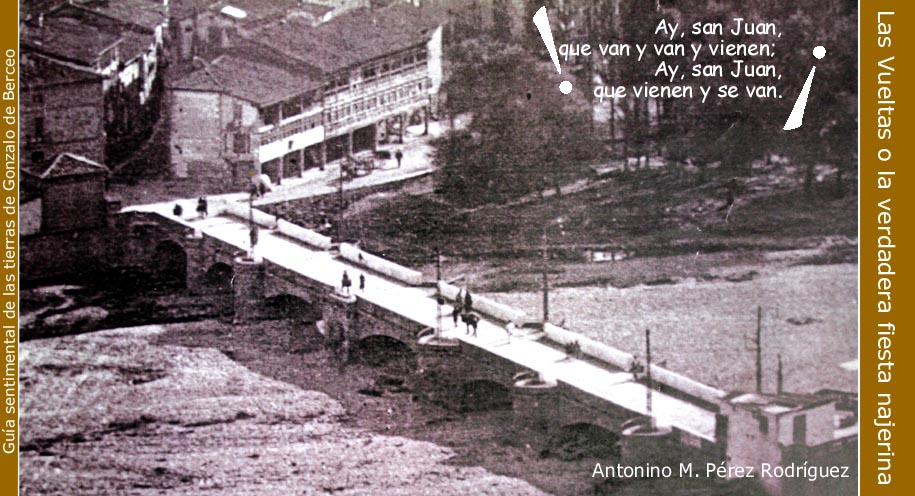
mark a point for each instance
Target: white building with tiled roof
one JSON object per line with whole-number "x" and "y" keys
{"x": 292, "y": 95}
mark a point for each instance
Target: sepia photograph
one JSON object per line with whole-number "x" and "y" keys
{"x": 439, "y": 247}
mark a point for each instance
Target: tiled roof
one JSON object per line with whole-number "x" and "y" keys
{"x": 147, "y": 14}
{"x": 257, "y": 82}
{"x": 259, "y": 10}
{"x": 353, "y": 37}
{"x": 66, "y": 164}
{"x": 133, "y": 45}
{"x": 182, "y": 9}
{"x": 40, "y": 71}
{"x": 31, "y": 8}
{"x": 68, "y": 39}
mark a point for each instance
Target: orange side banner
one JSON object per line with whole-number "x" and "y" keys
{"x": 9, "y": 255}
{"x": 886, "y": 156}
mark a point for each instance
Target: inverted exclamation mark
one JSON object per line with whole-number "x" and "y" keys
{"x": 796, "y": 119}
{"x": 543, "y": 25}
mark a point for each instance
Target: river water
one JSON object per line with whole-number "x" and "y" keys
{"x": 706, "y": 329}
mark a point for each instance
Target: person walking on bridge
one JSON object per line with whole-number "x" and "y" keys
{"x": 346, "y": 283}
{"x": 202, "y": 208}
{"x": 468, "y": 301}
{"x": 361, "y": 282}
{"x": 458, "y": 307}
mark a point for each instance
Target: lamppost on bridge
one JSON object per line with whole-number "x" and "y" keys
{"x": 545, "y": 252}
{"x": 439, "y": 299}
{"x": 252, "y": 228}
{"x": 649, "y": 385}
{"x": 341, "y": 206}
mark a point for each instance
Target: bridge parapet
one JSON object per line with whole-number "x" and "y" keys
{"x": 534, "y": 402}
{"x": 248, "y": 288}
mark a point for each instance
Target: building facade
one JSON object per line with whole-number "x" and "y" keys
{"x": 295, "y": 95}
{"x": 86, "y": 62}
{"x": 66, "y": 193}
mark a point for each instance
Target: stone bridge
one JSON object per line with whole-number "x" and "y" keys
{"x": 547, "y": 389}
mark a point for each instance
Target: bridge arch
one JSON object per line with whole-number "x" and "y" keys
{"x": 218, "y": 277}
{"x": 484, "y": 395}
{"x": 379, "y": 350}
{"x": 288, "y": 306}
{"x": 583, "y": 440}
{"x": 169, "y": 265}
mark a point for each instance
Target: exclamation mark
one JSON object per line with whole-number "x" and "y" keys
{"x": 796, "y": 119}
{"x": 543, "y": 25}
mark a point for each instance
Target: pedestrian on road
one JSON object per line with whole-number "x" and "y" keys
{"x": 399, "y": 156}
{"x": 252, "y": 235}
{"x": 202, "y": 209}
{"x": 468, "y": 301}
{"x": 361, "y": 282}
{"x": 346, "y": 283}
{"x": 637, "y": 369}
{"x": 458, "y": 307}
{"x": 178, "y": 210}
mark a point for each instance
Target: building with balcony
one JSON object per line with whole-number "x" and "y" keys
{"x": 235, "y": 112}
{"x": 307, "y": 94}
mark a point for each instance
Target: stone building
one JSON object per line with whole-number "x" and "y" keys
{"x": 781, "y": 430}
{"x": 66, "y": 193}
{"x": 63, "y": 107}
{"x": 119, "y": 47}
{"x": 294, "y": 95}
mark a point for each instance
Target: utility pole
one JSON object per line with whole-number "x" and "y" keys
{"x": 252, "y": 229}
{"x": 340, "y": 206}
{"x": 438, "y": 293}
{"x": 780, "y": 377}
{"x": 759, "y": 349}
{"x": 649, "y": 385}
{"x": 545, "y": 277}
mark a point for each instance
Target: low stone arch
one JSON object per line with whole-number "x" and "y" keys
{"x": 380, "y": 350}
{"x": 583, "y": 440}
{"x": 168, "y": 266}
{"x": 289, "y": 306}
{"x": 484, "y": 395}
{"x": 218, "y": 277}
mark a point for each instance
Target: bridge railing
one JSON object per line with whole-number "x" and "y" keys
{"x": 485, "y": 305}
{"x": 590, "y": 347}
{"x": 242, "y": 211}
{"x": 300, "y": 233}
{"x": 625, "y": 361}
{"x": 356, "y": 255}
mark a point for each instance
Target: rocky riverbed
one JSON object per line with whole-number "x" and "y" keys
{"x": 128, "y": 412}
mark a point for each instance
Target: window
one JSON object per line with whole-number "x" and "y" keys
{"x": 271, "y": 114}
{"x": 292, "y": 107}
{"x": 240, "y": 143}
{"x": 236, "y": 113}
{"x": 39, "y": 127}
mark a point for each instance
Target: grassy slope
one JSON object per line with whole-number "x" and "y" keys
{"x": 644, "y": 213}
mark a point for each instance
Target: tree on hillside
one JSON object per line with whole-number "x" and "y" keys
{"x": 524, "y": 135}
